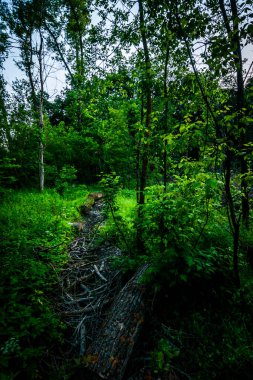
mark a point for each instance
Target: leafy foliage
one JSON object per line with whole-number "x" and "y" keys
{"x": 159, "y": 94}
{"x": 67, "y": 176}
{"x": 161, "y": 357}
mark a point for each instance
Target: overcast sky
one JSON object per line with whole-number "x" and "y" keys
{"x": 54, "y": 84}
{"x": 56, "y": 80}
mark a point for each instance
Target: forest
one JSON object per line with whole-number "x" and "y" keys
{"x": 126, "y": 173}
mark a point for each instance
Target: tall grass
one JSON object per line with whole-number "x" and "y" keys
{"x": 35, "y": 233}
{"x": 119, "y": 227}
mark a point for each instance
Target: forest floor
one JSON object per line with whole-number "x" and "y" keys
{"x": 89, "y": 284}
{"x": 59, "y": 266}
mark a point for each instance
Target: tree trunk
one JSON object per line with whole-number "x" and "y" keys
{"x": 37, "y": 102}
{"x": 148, "y": 96}
{"x": 234, "y": 40}
{"x": 41, "y": 166}
{"x": 108, "y": 355}
{"x": 234, "y": 221}
{"x": 166, "y": 109}
{"x": 41, "y": 116}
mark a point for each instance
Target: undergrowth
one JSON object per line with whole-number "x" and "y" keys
{"x": 199, "y": 325}
{"x": 35, "y": 233}
{"x": 119, "y": 227}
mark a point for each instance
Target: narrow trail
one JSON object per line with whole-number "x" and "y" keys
{"x": 88, "y": 283}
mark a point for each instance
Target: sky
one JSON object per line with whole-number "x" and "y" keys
{"x": 56, "y": 79}
{"x": 55, "y": 82}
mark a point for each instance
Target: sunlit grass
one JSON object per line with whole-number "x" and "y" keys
{"x": 126, "y": 202}
{"x": 30, "y": 218}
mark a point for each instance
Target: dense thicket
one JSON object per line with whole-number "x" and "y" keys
{"x": 158, "y": 98}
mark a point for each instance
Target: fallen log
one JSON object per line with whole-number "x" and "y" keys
{"x": 108, "y": 355}
{"x": 90, "y": 201}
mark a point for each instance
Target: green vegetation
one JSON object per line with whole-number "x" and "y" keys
{"x": 121, "y": 213}
{"x": 35, "y": 233}
{"x": 203, "y": 323}
{"x": 156, "y": 110}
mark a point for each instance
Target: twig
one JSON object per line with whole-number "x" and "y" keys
{"x": 86, "y": 309}
{"x": 82, "y": 340}
{"x": 79, "y": 300}
{"x": 99, "y": 274}
{"x": 204, "y": 225}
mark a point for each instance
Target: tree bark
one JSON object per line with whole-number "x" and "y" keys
{"x": 240, "y": 105}
{"x": 166, "y": 109}
{"x": 37, "y": 101}
{"x": 41, "y": 116}
{"x": 148, "y": 96}
{"x": 233, "y": 220}
{"x": 234, "y": 40}
{"x": 108, "y": 355}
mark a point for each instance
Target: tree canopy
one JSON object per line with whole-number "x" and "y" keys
{"x": 157, "y": 98}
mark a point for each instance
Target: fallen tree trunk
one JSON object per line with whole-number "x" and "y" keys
{"x": 109, "y": 353}
{"x": 90, "y": 201}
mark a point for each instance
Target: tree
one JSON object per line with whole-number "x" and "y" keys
{"x": 234, "y": 39}
{"x": 25, "y": 20}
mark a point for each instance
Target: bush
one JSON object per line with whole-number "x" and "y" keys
{"x": 66, "y": 177}
{"x": 121, "y": 211}
{"x": 179, "y": 230}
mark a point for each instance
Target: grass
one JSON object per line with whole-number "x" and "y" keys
{"x": 35, "y": 233}
{"x": 119, "y": 228}
{"x": 126, "y": 203}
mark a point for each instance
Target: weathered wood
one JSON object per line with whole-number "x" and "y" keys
{"x": 109, "y": 353}
{"x": 90, "y": 201}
